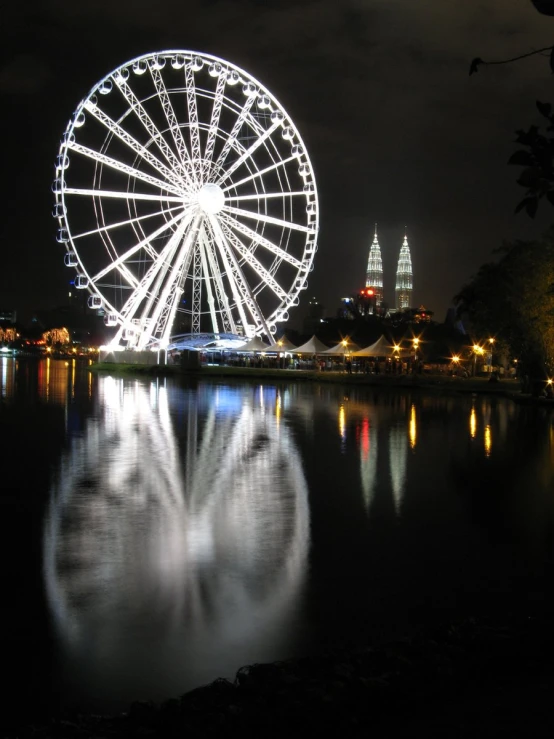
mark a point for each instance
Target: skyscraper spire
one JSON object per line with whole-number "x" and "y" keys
{"x": 374, "y": 274}
{"x": 404, "y": 276}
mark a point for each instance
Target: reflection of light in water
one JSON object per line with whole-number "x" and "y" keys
{"x": 413, "y": 427}
{"x": 342, "y": 423}
{"x": 365, "y": 439}
{"x": 488, "y": 440}
{"x": 278, "y": 407}
{"x": 398, "y": 450}
{"x": 48, "y": 378}
{"x": 200, "y": 562}
{"x": 368, "y": 460}
{"x": 7, "y": 379}
{"x": 73, "y": 379}
{"x": 473, "y": 423}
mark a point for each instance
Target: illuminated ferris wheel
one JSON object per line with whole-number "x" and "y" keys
{"x": 185, "y": 199}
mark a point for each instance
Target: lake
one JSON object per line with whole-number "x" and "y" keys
{"x": 160, "y": 533}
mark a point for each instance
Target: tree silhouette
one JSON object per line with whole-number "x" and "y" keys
{"x": 537, "y": 157}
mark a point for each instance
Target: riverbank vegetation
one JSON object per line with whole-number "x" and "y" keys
{"x": 513, "y": 301}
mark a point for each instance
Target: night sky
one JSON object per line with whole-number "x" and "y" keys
{"x": 397, "y": 131}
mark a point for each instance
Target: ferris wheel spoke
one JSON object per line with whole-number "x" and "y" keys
{"x": 121, "y": 195}
{"x": 123, "y": 168}
{"x": 232, "y": 139}
{"x": 262, "y": 241}
{"x": 223, "y": 301}
{"x": 158, "y": 138}
{"x": 267, "y": 195}
{"x": 248, "y": 153}
{"x": 143, "y": 244}
{"x": 214, "y": 124}
{"x": 193, "y": 123}
{"x": 260, "y": 173}
{"x": 244, "y": 288}
{"x": 128, "y": 222}
{"x": 255, "y": 264}
{"x": 130, "y": 141}
{"x": 266, "y": 219}
{"x": 174, "y": 126}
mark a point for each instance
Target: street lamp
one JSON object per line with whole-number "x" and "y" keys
{"x": 491, "y": 342}
{"x": 415, "y": 342}
{"x": 476, "y": 350}
{"x": 344, "y": 343}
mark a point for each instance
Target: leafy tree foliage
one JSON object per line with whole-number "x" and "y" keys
{"x": 538, "y": 158}
{"x": 538, "y": 162}
{"x": 513, "y": 300}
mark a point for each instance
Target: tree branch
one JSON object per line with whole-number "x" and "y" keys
{"x": 476, "y": 63}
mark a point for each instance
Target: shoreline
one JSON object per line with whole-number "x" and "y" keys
{"x": 436, "y": 383}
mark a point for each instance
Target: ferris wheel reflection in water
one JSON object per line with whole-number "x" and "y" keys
{"x": 199, "y": 550}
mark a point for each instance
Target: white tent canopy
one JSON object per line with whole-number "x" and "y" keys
{"x": 283, "y": 345}
{"x": 340, "y": 349}
{"x": 313, "y": 346}
{"x": 255, "y": 344}
{"x": 381, "y": 348}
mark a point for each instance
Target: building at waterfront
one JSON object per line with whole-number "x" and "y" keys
{"x": 404, "y": 277}
{"x": 374, "y": 274}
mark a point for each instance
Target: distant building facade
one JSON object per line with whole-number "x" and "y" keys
{"x": 404, "y": 277}
{"x": 8, "y": 316}
{"x": 375, "y": 279}
{"x": 374, "y": 273}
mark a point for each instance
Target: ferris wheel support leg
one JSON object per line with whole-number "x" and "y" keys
{"x": 223, "y": 301}
{"x": 251, "y": 300}
{"x": 157, "y": 270}
{"x": 239, "y": 300}
{"x": 196, "y": 291}
{"x": 171, "y": 292}
{"x": 211, "y": 300}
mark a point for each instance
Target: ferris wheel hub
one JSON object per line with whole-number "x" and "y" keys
{"x": 211, "y": 198}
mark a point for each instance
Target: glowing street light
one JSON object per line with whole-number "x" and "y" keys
{"x": 491, "y": 342}
{"x": 476, "y": 350}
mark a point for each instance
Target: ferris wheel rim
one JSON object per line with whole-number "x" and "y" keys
{"x": 171, "y": 197}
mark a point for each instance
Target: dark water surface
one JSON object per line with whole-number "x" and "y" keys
{"x": 158, "y": 534}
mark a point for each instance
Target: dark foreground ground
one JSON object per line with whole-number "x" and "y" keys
{"x": 469, "y": 679}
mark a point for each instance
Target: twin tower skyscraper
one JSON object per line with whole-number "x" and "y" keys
{"x": 404, "y": 275}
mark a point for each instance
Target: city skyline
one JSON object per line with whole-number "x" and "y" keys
{"x": 396, "y": 129}
{"x": 403, "y": 285}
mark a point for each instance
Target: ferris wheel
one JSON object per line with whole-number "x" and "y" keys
{"x": 186, "y": 200}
